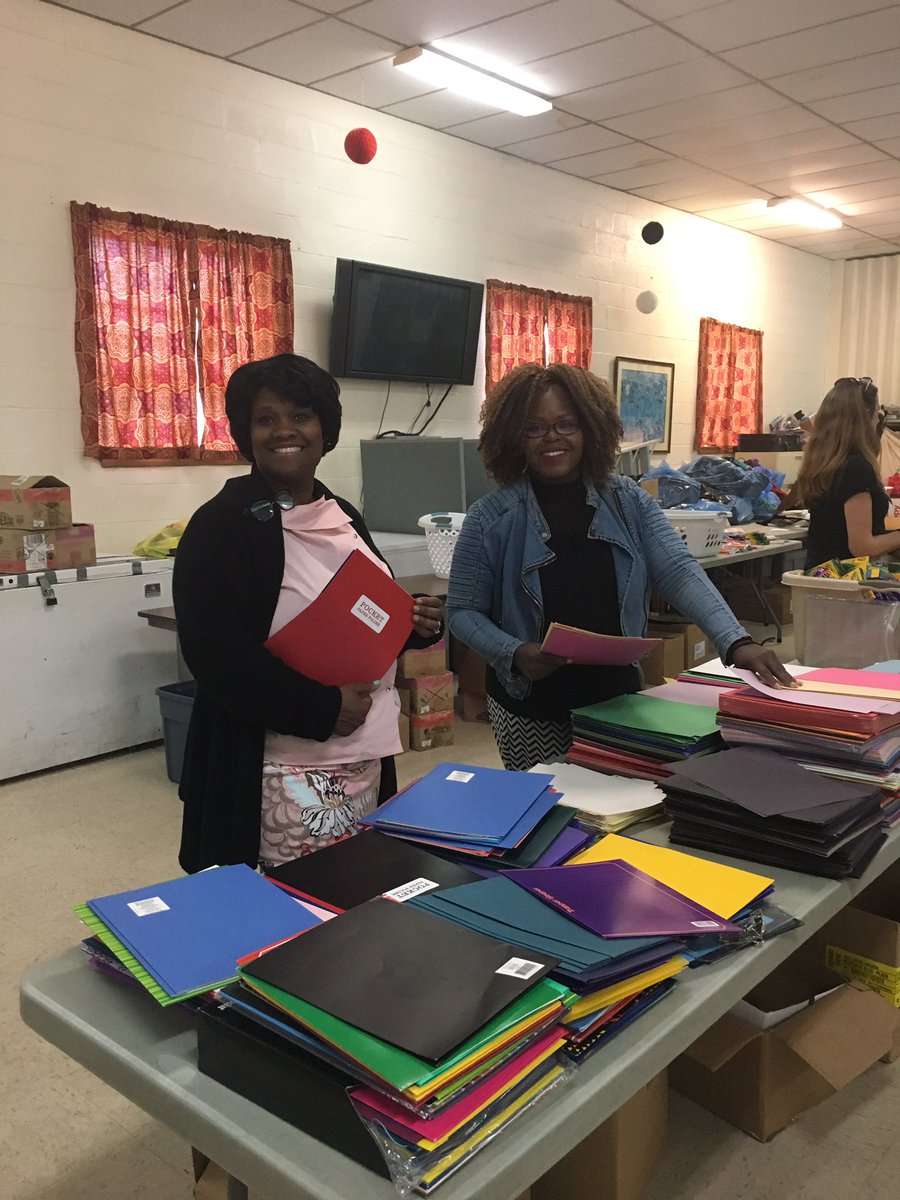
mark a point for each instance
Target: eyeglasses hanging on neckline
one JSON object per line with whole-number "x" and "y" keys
{"x": 264, "y": 510}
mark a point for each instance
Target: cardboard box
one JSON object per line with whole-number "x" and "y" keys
{"x": 34, "y": 502}
{"x": 430, "y": 694}
{"x": 667, "y": 660}
{"x": 746, "y": 605}
{"x": 651, "y": 486}
{"x": 431, "y": 731}
{"x": 862, "y": 942}
{"x": 52, "y": 549}
{"x": 417, "y": 664}
{"x": 471, "y": 673}
{"x": 762, "y": 1079}
{"x": 403, "y": 724}
{"x": 473, "y": 707}
{"x": 618, "y": 1160}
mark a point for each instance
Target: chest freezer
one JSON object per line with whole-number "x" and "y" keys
{"x": 79, "y": 667}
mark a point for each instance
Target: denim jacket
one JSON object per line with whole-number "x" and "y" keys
{"x": 494, "y": 595}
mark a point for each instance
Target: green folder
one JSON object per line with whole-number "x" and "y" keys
{"x": 395, "y": 1066}
{"x": 647, "y": 714}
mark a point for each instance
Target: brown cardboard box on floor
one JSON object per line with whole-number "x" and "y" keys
{"x": 403, "y": 724}
{"x": 667, "y": 660}
{"x": 429, "y": 694}
{"x": 34, "y": 502}
{"x": 616, "y": 1161}
{"x": 431, "y": 731}
{"x": 48, "y": 549}
{"x": 863, "y": 941}
{"x": 760, "y": 1079}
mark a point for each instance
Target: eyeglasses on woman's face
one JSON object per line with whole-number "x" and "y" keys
{"x": 565, "y": 427}
{"x": 264, "y": 510}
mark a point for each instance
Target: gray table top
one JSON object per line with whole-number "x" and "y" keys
{"x": 149, "y": 1054}
{"x": 734, "y": 560}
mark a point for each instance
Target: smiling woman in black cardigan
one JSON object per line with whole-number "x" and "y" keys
{"x": 230, "y": 577}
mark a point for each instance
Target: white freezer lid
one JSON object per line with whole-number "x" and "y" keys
{"x": 112, "y": 565}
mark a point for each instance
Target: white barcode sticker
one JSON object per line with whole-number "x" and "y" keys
{"x": 461, "y": 776}
{"x": 520, "y": 967}
{"x": 143, "y": 908}
{"x": 406, "y": 891}
{"x": 706, "y": 924}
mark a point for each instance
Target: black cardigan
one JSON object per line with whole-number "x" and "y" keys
{"x": 227, "y": 578}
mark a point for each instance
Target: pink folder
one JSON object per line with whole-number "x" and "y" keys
{"x": 596, "y": 649}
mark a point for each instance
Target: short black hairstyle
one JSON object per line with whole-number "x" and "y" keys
{"x": 296, "y": 379}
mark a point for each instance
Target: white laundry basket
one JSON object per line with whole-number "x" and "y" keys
{"x": 441, "y": 531}
{"x": 702, "y": 532}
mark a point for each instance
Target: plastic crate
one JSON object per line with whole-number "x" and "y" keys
{"x": 838, "y": 624}
{"x": 702, "y": 532}
{"x": 176, "y": 701}
{"x": 441, "y": 531}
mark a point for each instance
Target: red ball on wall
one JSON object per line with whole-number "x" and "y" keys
{"x": 360, "y": 145}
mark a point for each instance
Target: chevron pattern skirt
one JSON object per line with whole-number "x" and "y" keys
{"x": 525, "y": 741}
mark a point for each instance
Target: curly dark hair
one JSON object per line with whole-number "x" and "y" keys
{"x": 506, "y": 408}
{"x": 296, "y": 379}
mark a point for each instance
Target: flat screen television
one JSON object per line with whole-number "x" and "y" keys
{"x": 403, "y": 325}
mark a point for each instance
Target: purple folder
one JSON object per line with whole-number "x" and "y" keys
{"x": 615, "y": 900}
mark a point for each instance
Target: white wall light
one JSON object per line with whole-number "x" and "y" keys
{"x": 791, "y": 210}
{"x": 443, "y": 71}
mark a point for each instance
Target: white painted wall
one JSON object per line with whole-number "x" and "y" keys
{"x": 92, "y": 112}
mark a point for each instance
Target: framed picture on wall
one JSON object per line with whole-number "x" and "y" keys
{"x": 644, "y": 397}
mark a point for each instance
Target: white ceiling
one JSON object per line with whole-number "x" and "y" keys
{"x": 710, "y": 106}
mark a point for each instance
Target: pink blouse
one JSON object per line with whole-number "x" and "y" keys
{"x": 318, "y": 537}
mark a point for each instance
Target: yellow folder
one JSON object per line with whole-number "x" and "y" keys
{"x": 614, "y": 992}
{"x": 723, "y": 890}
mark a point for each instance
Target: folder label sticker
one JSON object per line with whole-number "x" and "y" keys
{"x": 705, "y": 924}
{"x": 369, "y": 612}
{"x": 521, "y": 968}
{"x": 406, "y": 891}
{"x": 460, "y": 776}
{"x": 143, "y": 908}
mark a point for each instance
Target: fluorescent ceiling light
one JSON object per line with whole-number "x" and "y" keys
{"x": 794, "y": 211}
{"x": 443, "y": 71}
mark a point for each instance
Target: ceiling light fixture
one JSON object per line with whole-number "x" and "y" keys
{"x": 791, "y": 210}
{"x": 443, "y": 71}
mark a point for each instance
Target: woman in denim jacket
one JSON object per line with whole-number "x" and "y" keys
{"x": 563, "y": 539}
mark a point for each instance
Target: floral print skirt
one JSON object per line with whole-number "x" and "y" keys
{"x": 307, "y": 808}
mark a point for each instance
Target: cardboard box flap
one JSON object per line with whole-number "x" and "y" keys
{"x": 722, "y": 1042}
{"x": 842, "y": 1035}
{"x": 26, "y": 482}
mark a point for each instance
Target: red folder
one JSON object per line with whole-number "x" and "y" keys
{"x": 750, "y": 705}
{"x": 353, "y": 630}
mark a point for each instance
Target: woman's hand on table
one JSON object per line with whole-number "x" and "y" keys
{"x": 356, "y": 700}
{"x": 428, "y": 615}
{"x": 532, "y": 662}
{"x": 764, "y": 663}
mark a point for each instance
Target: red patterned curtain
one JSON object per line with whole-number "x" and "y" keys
{"x": 729, "y": 384}
{"x": 133, "y": 336}
{"x": 144, "y": 287}
{"x": 514, "y": 319}
{"x": 246, "y": 288}
{"x": 570, "y": 329}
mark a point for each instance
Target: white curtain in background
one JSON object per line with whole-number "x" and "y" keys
{"x": 869, "y": 339}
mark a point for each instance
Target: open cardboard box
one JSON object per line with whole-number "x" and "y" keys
{"x": 761, "y": 1079}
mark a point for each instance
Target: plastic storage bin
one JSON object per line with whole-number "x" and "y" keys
{"x": 702, "y": 532}
{"x": 176, "y": 700}
{"x": 838, "y": 624}
{"x": 441, "y": 531}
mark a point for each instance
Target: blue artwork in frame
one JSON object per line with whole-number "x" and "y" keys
{"x": 644, "y": 399}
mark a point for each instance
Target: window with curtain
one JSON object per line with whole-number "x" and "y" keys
{"x": 729, "y": 385}
{"x": 524, "y": 324}
{"x": 165, "y": 311}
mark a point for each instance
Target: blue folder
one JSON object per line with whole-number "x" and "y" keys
{"x": 481, "y": 805}
{"x": 190, "y": 932}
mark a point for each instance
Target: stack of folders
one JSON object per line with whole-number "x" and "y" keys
{"x": 181, "y": 939}
{"x": 444, "y": 1035}
{"x": 640, "y": 736}
{"x": 757, "y": 805}
{"x": 483, "y": 815}
{"x": 604, "y": 803}
{"x": 840, "y": 732}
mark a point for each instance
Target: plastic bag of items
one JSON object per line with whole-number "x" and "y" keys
{"x": 159, "y": 544}
{"x": 748, "y": 488}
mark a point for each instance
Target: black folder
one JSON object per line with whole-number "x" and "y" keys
{"x": 407, "y": 977}
{"x": 362, "y": 867}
